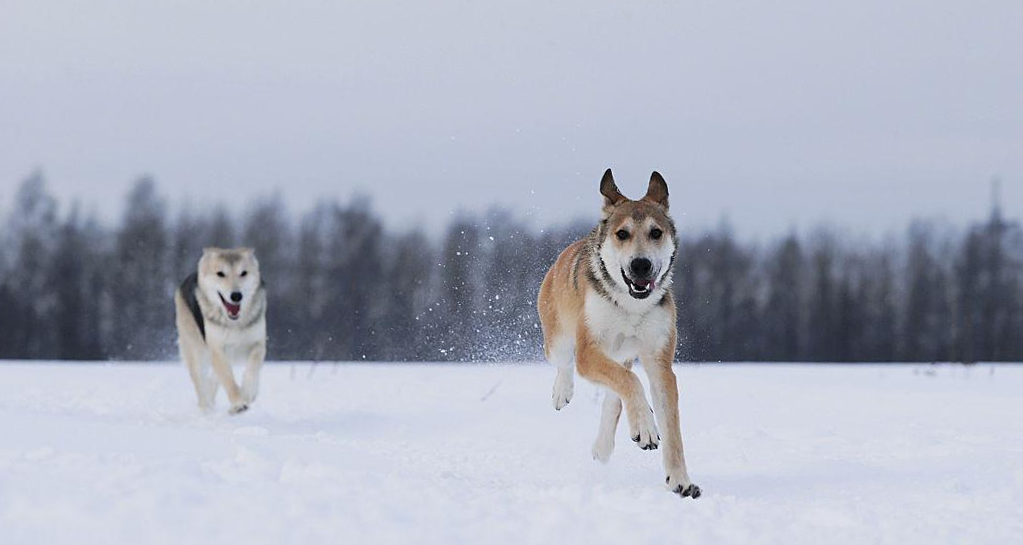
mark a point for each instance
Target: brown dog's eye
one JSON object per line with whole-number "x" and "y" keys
{"x": 656, "y": 234}
{"x": 244, "y": 273}
{"x": 221, "y": 274}
{"x": 622, "y": 234}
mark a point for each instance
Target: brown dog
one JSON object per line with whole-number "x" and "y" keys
{"x": 607, "y": 301}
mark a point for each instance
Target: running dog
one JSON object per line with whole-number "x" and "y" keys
{"x": 221, "y": 319}
{"x": 608, "y": 301}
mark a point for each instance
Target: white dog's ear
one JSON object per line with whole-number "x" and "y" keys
{"x": 612, "y": 197}
{"x": 250, "y": 254}
{"x": 657, "y": 191}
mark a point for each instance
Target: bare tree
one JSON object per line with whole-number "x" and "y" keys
{"x": 343, "y": 287}
{"x": 143, "y": 288}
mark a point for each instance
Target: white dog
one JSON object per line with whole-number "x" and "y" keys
{"x": 221, "y": 319}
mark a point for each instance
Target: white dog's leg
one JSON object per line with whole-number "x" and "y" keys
{"x": 222, "y": 368}
{"x": 207, "y": 384}
{"x": 664, "y": 390}
{"x": 197, "y": 361}
{"x": 561, "y": 353}
{"x": 610, "y": 412}
{"x": 250, "y": 384}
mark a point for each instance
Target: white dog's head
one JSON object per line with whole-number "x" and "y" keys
{"x": 229, "y": 277}
{"x": 638, "y": 239}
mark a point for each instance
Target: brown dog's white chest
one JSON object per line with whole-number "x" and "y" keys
{"x": 625, "y": 332}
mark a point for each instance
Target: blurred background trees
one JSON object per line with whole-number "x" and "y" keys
{"x": 342, "y": 286}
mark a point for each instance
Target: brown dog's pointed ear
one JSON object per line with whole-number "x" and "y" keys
{"x": 612, "y": 197}
{"x": 657, "y": 191}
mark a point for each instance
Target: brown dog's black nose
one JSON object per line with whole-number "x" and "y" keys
{"x": 641, "y": 267}
{"x": 236, "y": 297}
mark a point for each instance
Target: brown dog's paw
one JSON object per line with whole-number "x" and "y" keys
{"x": 692, "y": 492}
{"x": 689, "y": 490}
{"x": 644, "y": 431}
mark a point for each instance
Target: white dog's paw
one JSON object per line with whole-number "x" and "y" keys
{"x": 238, "y": 409}
{"x": 564, "y": 387}
{"x": 681, "y": 485}
{"x": 644, "y": 431}
{"x": 603, "y": 447}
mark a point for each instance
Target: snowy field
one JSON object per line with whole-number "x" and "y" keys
{"x": 382, "y": 454}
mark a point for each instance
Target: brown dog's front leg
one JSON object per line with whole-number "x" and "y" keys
{"x": 594, "y": 365}
{"x": 664, "y": 390}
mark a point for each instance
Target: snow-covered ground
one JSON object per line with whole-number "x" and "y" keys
{"x": 475, "y": 454}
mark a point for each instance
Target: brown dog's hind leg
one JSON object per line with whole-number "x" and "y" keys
{"x": 610, "y": 413}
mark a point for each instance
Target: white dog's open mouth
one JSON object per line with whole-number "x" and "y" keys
{"x": 639, "y": 289}
{"x": 232, "y": 309}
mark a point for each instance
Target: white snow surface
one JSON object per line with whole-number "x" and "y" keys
{"x": 451, "y": 454}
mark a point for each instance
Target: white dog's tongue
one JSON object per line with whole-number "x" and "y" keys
{"x": 232, "y": 308}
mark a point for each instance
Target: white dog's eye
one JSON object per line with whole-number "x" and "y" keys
{"x": 221, "y": 274}
{"x": 245, "y": 273}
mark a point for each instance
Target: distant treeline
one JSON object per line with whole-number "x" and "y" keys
{"x": 344, "y": 287}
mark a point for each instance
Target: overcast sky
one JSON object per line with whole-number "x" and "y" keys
{"x": 772, "y": 114}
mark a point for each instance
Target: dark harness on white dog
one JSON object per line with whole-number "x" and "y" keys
{"x": 188, "y": 288}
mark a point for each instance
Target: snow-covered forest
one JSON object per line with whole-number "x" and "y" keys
{"x": 345, "y": 286}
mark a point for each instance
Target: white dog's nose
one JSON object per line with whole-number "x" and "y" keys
{"x": 236, "y": 297}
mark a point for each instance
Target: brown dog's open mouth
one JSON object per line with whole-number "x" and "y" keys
{"x": 232, "y": 309}
{"x": 639, "y": 289}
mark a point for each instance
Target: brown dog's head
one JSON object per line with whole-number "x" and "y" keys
{"x": 638, "y": 240}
